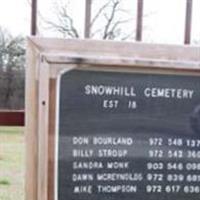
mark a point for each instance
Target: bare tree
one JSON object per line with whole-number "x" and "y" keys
{"x": 64, "y": 23}
{"x": 107, "y": 21}
{"x": 12, "y": 61}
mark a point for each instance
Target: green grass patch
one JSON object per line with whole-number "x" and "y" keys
{"x": 4, "y": 182}
{"x": 11, "y": 130}
{"x": 12, "y": 164}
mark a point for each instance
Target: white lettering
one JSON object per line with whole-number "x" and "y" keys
{"x": 168, "y": 93}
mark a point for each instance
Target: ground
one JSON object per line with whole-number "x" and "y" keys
{"x": 12, "y": 163}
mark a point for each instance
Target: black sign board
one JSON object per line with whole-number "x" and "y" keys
{"x": 128, "y": 136}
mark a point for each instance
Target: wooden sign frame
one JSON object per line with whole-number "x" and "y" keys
{"x": 47, "y": 58}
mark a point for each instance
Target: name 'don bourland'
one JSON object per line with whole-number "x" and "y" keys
{"x": 130, "y": 92}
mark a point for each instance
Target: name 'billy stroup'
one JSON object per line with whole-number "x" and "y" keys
{"x": 130, "y": 91}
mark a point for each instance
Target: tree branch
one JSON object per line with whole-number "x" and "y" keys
{"x": 65, "y": 24}
{"x": 110, "y": 18}
{"x": 99, "y": 12}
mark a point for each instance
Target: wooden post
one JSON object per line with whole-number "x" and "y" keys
{"x": 188, "y": 21}
{"x": 31, "y": 123}
{"x": 88, "y": 5}
{"x": 43, "y": 124}
{"x": 139, "y": 23}
{"x": 34, "y": 17}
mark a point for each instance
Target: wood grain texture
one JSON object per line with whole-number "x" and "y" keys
{"x": 31, "y": 123}
{"x": 43, "y": 128}
{"x": 120, "y": 49}
{"x": 51, "y": 140}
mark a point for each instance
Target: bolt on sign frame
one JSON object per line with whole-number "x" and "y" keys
{"x": 46, "y": 60}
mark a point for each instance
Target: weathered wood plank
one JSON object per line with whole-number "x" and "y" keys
{"x": 31, "y": 122}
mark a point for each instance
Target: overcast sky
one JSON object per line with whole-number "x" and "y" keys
{"x": 163, "y": 23}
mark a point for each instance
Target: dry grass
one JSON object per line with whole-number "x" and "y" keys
{"x": 11, "y": 163}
